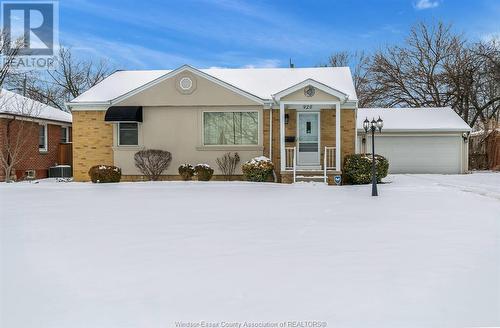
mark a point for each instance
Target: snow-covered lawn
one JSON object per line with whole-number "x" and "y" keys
{"x": 426, "y": 253}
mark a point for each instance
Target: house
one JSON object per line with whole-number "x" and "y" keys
{"x": 304, "y": 119}
{"x": 418, "y": 140}
{"x": 198, "y": 115}
{"x": 40, "y": 134}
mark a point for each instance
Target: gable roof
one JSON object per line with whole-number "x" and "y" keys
{"x": 261, "y": 83}
{"x": 339, "y": 94}
{"x": 12, "y": 103}
{"x": 187, "y": 68}
{"x": 414, "y": 119}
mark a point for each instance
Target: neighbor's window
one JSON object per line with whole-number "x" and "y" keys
{"x": 42, "y": 137}
{"x": 231, "y": 128}
{"x": 64, "y": 134}
{"x": 128, "y": 134}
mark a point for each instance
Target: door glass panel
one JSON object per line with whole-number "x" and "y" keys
{"x": 308, "y": 131}
{"x": 308, "y": 139}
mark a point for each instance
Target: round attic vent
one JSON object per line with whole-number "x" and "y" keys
{"x": 185, "y": 83}
{"x": 309, "y": 91}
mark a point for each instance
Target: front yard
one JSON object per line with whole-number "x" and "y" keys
{"x": 426, "y": 253}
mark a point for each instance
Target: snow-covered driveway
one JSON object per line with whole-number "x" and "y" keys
{"x": 426, "y": 253}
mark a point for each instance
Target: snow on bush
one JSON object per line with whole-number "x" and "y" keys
{"x": 105, "y": 174}
{"x": 258, "y": 169}
{"x": 358, "y": 168}
{"x": 186, "y": 171}
{"x": 204, "y": 172}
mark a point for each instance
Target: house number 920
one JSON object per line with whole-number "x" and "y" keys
{"x": 307, "y": 106}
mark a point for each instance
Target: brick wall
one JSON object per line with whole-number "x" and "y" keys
{"x": 328, "y": 131}
{"x": 32, "y": 158}
{"x": 92, "y": 142}
{"x": 348, "y": 133}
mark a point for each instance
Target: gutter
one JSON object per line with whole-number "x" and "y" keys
{"x": 361, "y": 130}
{"x": 35, "y": 119}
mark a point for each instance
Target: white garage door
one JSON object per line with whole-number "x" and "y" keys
{"x": 420, "y": 154}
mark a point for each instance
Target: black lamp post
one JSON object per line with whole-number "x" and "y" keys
{"x": 373, "y": 126}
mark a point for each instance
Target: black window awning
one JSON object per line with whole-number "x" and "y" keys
{"x": 124, "y": 114}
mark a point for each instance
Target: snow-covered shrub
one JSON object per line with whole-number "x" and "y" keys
{"x": 186, "y": 171}
{"x": 105, "y": 174}
{"x": 227, "y": 164}
{"x": 204, "y": 172}
{"x": 258, "y": 169}
{"x": 358, "y": 168}
{"x": 152, "y": 162}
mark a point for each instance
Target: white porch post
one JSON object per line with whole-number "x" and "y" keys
{"x": 337, "y": 136}
{"x": 282, "y": 137}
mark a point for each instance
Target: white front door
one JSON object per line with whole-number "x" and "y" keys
{"x": 308, "y": 139}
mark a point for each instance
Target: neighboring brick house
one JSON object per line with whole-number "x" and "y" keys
{"x": 44, "y": 131}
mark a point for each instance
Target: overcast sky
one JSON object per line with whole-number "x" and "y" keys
{"x": 153, "y": 34}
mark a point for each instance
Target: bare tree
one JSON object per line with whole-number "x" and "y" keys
{"x": 436, "y": 68}
{"x": 9, "y": 51}
{"x": 359, "y": 63}
{"x": 20, "y": 128}
{"x": 72, "y": 77}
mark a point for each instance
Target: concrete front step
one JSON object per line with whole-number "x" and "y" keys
{"x": 309, "y": 176}
{"x": 309, "y": 179}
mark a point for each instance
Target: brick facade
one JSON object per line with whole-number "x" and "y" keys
{"x": 327, "y": 128}
{"x": 32, "y": 158}
{"x": 92, "y": 142}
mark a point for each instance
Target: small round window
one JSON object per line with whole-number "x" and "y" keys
{"x": 186, "y": 83}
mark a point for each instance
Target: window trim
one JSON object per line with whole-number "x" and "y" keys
{"x": 118, "y": 135}
{"x": 66, "y": 140}
{"x": 46, "y": 138}
{"x": 230, "y": 146}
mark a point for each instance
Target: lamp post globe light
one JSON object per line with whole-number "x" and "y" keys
{"x": 373, "y": 126}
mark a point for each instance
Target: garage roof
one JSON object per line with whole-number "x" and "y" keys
{"x": 414, "y": 119}
{"x": 260, "y": 82}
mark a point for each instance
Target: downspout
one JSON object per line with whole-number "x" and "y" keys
{"x": 271, "y": 133}
{"x": 271, "y": 136}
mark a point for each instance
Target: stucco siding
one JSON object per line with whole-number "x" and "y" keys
{"x": 205, "y": 93}
{"x": 179, "y": 131}
{"x": 319, "y": 95}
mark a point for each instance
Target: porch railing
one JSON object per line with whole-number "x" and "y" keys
{"x": 291, "y": 160}
{"x": 329, "y": 156}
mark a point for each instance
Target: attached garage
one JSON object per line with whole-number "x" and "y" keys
{"x": 418, "y": 140}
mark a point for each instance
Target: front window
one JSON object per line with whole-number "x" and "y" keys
{"x": 128, "y": 134}
{"x": 42, "y": 137}
{"x": 231, "y": 128}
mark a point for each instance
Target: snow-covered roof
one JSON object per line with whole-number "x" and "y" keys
{"x": 482, "y": 133}
{"x": 260, "y": 82}
{"x": 16, "y": 104}
{"x": 414, "y": 119}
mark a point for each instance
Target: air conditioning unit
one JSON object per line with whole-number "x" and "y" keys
{"x": 60, "y": 171}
